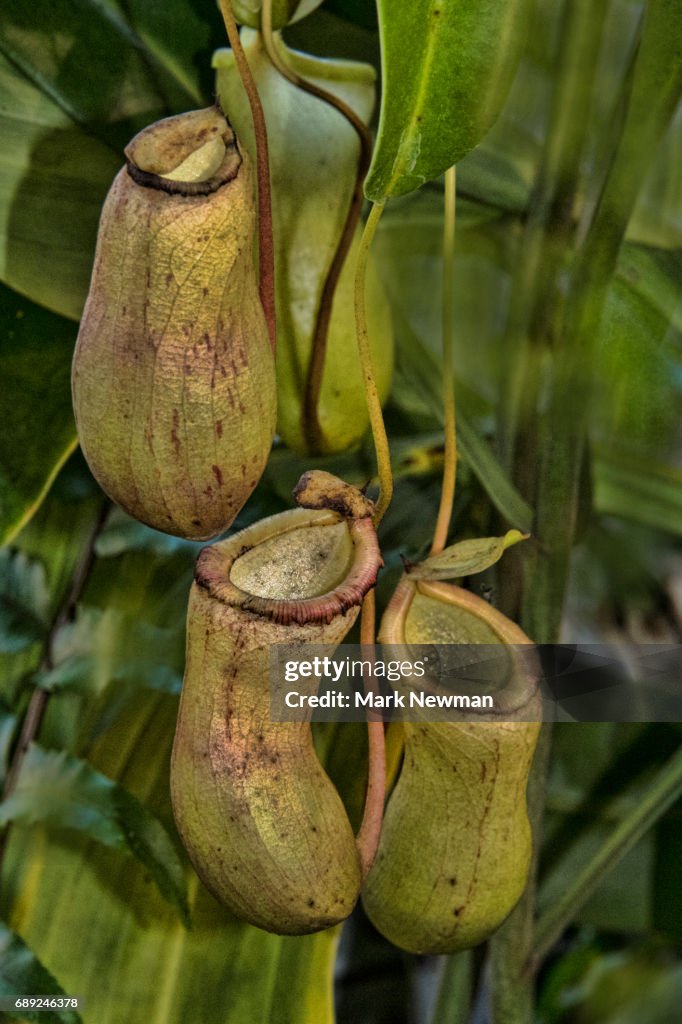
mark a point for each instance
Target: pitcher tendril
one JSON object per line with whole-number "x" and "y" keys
{"x": 447, "y": 495}
{"x": 266, "y": 248}
{"x": 376, "y": 419}
{"x": 369, "y": 833}
{"x": 313, "y": 384}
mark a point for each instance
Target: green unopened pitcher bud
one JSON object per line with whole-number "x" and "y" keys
{"x": 262, "y": 822}
{"x": 313, "y": 160}
{"x": 456, "y": 842}
{"x": 173, "y": 375}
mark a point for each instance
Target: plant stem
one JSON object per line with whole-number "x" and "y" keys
{"x": 266, "y": 248}
{"x": 664, "y": 791}
{"x": 653, "y": 89}
{"x": 309, "y": 87}
{"x": 311, "y": 422}
{"x": 550, "y": 225}
{"x": 376, "y": 419}
{"x": 447, "y": 494}
{"x": 37, "y": 705}
{"x": 370, "y": 829}
{"x": 534, "y": 331}
{"x": 453, "y": 1004}
{"x": 512, "y": 994}
{"x": 533, "y": 334}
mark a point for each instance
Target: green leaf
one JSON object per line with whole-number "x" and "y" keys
{"x": 465, "y": 558}
{"x": 408, "y": 248}
{"x": 417, "y": 390}
{"x": 108, "y": 647}
{"x": 638, "y": 350}
{"x": 447, "y": 66}
{"x": 101, "y": 72}
{"x": 53, "y": 179}
{"x": 638, "y": 488}
{"x": 8, "y": 726}
{"x": 24, "y": 601}
{"x": 176, "y": 41}
{"x": 489, "y": 177}
{"x": 122, "y": 533}
{"x": 492, "y": 476}
{"x": 455, "y": 990}
{"x": 601, "y": 775}
{"x": 657, "y": 217}
{"x": 655, "y": 275}
{"x": 94, "y": 919}
{"x": 63, "y": 791}
{"x": 35, "y": 406}
{"x": 55, "y": 538}
{"x": 21, "y": 973}
{"x": 607, "y": 985}
{"x": 78, "y": 78}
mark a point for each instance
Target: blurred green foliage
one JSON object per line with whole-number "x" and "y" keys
{"x": 82, "y": 912}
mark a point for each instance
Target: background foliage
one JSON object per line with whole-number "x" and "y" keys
{"x": 569, "y": 375}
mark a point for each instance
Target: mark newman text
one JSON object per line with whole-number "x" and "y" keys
{"x": 413, "y": 699}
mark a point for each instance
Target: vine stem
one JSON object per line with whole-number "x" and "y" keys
{"x": 376, "y": 419}
{"x": 311, "y": 422}
{"x": 664, "y": 791}
{"x": 315, "y": 90}
{"x": 266, "y": 248}
{"x": 369, "y": 832}
{"x": 37, "y": 705}
{"x": 447, "y": 493}
{"x": 511, "y": 990}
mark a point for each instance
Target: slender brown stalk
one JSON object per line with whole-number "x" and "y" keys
{"x": 447, "y": 494}
{"x": 313, "y": 384}
{"x": 311, "y": 422}
{"x": 370, "y": 830}
{"x": 266, "y": 248}
{"x": 314, "y": 90}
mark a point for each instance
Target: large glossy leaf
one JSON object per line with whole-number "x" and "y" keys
{"x": 447, "y": 66}
{"x": 35, "y": 406}
{"x": 53, "y": 179}
{"x": 89, "y": 57}
{"x": 77, "y": 79}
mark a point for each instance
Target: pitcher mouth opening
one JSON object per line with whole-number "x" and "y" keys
{"x": 301, "y": 566}
{"x": 517, "y": 694}
{"x": 191, "y": 154}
